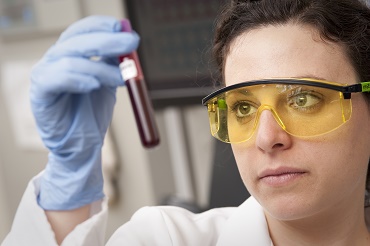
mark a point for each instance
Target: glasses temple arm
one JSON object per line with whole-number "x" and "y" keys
{"x": 362, "y": 87}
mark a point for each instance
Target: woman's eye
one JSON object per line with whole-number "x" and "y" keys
{"x": 244, "y": 109}
{"x": 304, "y": 101}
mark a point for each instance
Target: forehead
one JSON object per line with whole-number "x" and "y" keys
{"x": 289, "y": 50}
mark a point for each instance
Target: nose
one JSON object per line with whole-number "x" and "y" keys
{"x": 270, "y": 136}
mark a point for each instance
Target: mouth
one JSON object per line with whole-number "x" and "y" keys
{"x": 281, "y": 176}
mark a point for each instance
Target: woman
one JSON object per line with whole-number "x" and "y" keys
{"x": 298, "y": 122}
{"x": 310, "y": 186}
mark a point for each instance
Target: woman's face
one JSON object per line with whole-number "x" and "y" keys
{"x": 291, "y": 177}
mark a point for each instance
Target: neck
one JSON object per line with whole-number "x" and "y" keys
{"x": 343, "y": 224}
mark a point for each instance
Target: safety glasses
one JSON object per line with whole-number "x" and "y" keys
{"x": 302, "y": 107}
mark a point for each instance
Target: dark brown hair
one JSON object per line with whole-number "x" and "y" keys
{"x": 346, "y": 22}
{"x": 343, "y": 21}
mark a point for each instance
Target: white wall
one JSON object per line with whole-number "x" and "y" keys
{"x": 4, "y": 209}
{"x": 145, "y": 176}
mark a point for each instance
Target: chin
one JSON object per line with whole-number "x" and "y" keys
{"x": 287, "y": 208}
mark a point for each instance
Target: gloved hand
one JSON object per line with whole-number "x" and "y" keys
{"x": 72, "y": 98}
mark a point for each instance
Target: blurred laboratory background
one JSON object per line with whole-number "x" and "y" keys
{"x": 189, "y": 168}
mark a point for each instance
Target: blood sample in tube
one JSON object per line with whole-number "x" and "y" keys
{"x": 141, "y": 104}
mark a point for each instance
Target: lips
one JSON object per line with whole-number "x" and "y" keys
{"x": 280, "y": 171}
{"x": 281, "y": 176}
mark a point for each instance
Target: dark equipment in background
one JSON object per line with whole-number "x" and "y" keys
{"x": 175, "y": 48}
{"x": 227, "y": 188}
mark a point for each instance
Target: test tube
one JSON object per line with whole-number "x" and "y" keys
{"x": 133, "y": 76}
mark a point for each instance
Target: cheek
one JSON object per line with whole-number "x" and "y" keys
{"x": 243, "y": 154}
{"x": 357, "y": 136}
{"x": 340, "y": 170}
{"x": 338, "y": 160}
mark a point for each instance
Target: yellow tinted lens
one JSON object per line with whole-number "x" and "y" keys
{"x": 313, "y": 111}
{"x": 217, "y": 111}
{"x": 300, "y": 110}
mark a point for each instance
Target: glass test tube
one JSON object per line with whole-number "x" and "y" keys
{"x": 141, "y": 104}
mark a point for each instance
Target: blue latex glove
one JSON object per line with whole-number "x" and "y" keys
{"x": 72, "y": 99}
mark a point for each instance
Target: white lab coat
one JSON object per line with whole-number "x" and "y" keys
{"x": 166, "y": 225}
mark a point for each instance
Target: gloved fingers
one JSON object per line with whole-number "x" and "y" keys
{"x": 73, "y": 75}
{"x": 66, "y": 82}
{"x": 89, "y": 25}
{"x": 107, "y": 74}
{"x": 96, "y": 44}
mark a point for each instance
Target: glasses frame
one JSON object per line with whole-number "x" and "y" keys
{"x": 347, "y": 90}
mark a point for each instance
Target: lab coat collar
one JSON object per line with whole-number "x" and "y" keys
{"x": 247, "y": 226}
